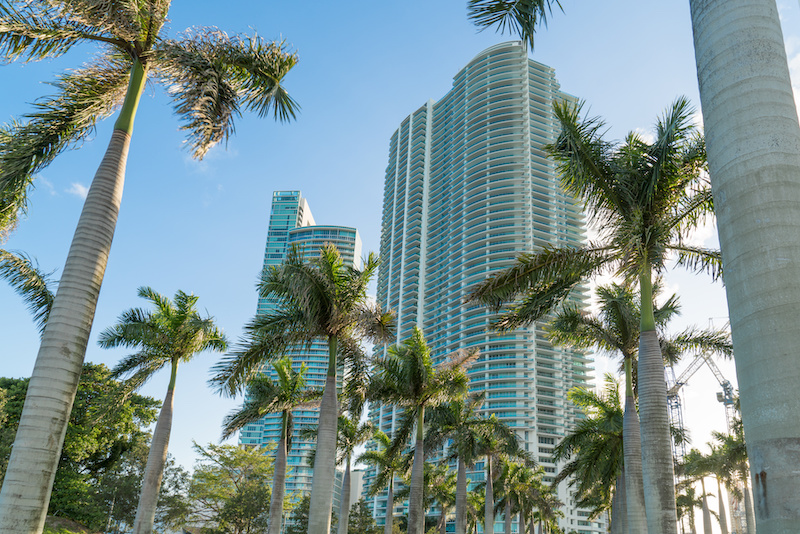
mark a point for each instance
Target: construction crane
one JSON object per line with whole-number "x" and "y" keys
{"x": 674, "y": 386}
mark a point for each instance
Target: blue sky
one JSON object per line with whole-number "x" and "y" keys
{"x": 364, "y": 66}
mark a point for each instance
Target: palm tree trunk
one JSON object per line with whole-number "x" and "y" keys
{"x": 416, "y": 514}
{"x": 156, "y": 460}
{"x": 658, "y": 475}
{"x": 752, "y": 139}
{"x": 488, "y": 506}
{"x": 344, "y": 509}
{"x": 279, "y": 480}
{"x": 387, "y": 526}
{"x": 706, "y": 510}
{"x": 461, "y": 498}
{"x": 54, "y": 382}
{"x": 507, "y": 517}
{"x": 632, "y": 451}
{"x": 319, "y": 513}
{"x": 619, "y": 524}
{"x": 723, "y": 518}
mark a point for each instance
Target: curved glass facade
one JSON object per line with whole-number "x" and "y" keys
{"x": 468, "y": 188}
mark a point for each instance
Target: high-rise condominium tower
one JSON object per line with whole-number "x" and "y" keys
{"x": 468, "y": 188}
{"x": 291, "y": 224}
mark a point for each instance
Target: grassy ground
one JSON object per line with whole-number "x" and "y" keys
{"x": 61, "y": 525}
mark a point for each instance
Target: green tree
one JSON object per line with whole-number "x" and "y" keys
{"x": 697, "y": 467}
{"x": 318, "y": 299}
{"x": 212, "y": 77}
{"x": 594, "y": 450}
{"x": 174, "y": 332}
{"x": 350, "y": 434}
{"x": 645, "y": 197}
{"x": 105, "y": 426}
{"x": 407, "y": 378}
{"x": 298, "y": 521}
{"x": 387, "y": 462}
{"x": 361, "y": 521}
{"x": 230, "y": 489}
{"x": 265, "y": 396}
{"x": 459, "y": 421}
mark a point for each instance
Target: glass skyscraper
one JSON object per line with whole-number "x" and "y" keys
{"x": 468, "y": 188}
{"x": 292, "y": 224}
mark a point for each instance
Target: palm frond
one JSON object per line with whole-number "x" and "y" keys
{"x": 700, "y": 259}
{"x": 120, "y": 18}
{"x": 696, "y": 340}
{"x": 60, "y": 121}
{"x": 520, "y": 17}
{"x": 213, "y": 76}
{"x": 24, "y": 275}
{"x": 40, "y": 30}
{"x": 549, "y": 268}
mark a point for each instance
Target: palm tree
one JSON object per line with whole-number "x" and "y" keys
{"x": 498, "y": 447}
{"x": 30, "y": 282}
{"x": 645, "y": 198}
{"x": 265, "y": 396}
{"x": 211, "y": 77}
{"x": 407, "y": 378}
{"x": 594, "y": 448}
{"x": 719, "y": 468}
{"x": 687, "y": 501}
{"x": 752, "y": 131}
{"x": 616, "y": 330}
{"x": 547, "y": 510}
{"x": 696, "y": 467}
{"x": 733, "y": 456}
{"x": 350, "y": 435}
{"x": 172, "y": 333}
{"x": 387, "y": 462}
{"x": 318, "y": 298}
{"x": 460, "y": 422}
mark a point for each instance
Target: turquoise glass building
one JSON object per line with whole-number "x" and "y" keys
{"x": 468, "y": 187}
{"x": 292, "y": 224}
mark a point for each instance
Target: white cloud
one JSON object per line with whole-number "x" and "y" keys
{"x": 48, "y": 185}
{"x": 78, "y": 189}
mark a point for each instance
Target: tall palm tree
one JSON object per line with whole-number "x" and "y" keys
{"x": 265, "y": 396}
{"x": 615, "y": 330}
{"x": 719, "y": 468}
{"x": 752, "y": 131}
{"x": 210, "y": 76}
{"x": 496, "y": 448}
{"x": 594, "y": 448}
{"x": 459, "y": 422}
{"x": 687, "y": 500}
{"x": 318, "y": 298}
{"x": 406, "y": 377}
{"x": 170, "y": 334}
{"x": 30, "y": 282}
{"x": 350, "y": 435}
{"x": 388, "y": 462}
{"x": 696, "y": 467}
{"x": 733, "y": 455}
{"x": 645, "y": 197}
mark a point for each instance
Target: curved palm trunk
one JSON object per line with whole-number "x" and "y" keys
{"x": 416, "y": 515}
{"x": 319, "y": 512}
{"x": 461, "y": 498}
{"x": 723, "y": 518}
{"x": 344, "y": 509}
{"x": 632, "y": 451}
{"x": 488, "y": 506}
{"x": 619, "y": 523}
{"x": 54, "y": 382}
{"x": 752, "y": 139}
{"x": 156, "y": 460}
{"x": 658, "y": 475}
{"x": 278, "y": 480}
{"x": 706, "y": 510}
{"x": 387, "y": 525}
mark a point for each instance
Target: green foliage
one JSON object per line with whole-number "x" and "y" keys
{"x": 230, "y": 489}
{"x": 106, "y": 429}
{"x": 361, "y": 521}
{"x": 298, "y": 519}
